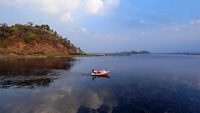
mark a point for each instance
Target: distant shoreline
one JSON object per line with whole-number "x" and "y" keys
{"x": 179, "y": 53}
{"x": 83, "y": 55}
{"x": 45, "y": 56}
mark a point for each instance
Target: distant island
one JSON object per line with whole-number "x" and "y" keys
{"x": 127, "y": 53}
{"x": 30, "y": 39}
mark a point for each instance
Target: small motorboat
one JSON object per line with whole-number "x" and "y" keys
{"x": 100, "y": 73}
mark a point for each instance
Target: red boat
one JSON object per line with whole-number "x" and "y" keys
{"x": 100, "y": 73}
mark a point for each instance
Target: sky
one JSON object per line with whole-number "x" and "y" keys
{"x": 114, "y": 25}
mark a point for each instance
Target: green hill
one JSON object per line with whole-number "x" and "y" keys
{"x": 32, "y": 39}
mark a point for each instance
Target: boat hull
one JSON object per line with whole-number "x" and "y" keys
{"x": 101, "y": 73}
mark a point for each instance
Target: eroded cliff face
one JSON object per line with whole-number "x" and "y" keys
{"x": 45, "y": 48}
{"x": 33, "y": 40}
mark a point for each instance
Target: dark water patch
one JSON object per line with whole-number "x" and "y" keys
{"x": 31, "y": 73}
{"x": 33, "y": 66}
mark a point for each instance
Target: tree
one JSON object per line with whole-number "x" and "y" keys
{"x": 79, "y": 51}
{"x": 52, "y": 31}
{"x": 3, "y": 25}
{"x": 30, "y": 23}
{"x": 55, "y": 33}
{"x": 5, "y": 30}
{"x": 31, "y": 37}
{"x": 46, "y": 27}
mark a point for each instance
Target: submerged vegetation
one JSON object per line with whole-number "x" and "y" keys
{"x": 30, "y": 39}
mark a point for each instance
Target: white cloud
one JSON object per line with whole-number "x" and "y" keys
{"x": 50, "y": 9}
{"x": 101, "y": 6}
{"x": 110, "y": 4}
{"x": 142, "y": 21}
{"x": 66, "y": 8}
{"x": 193, "y": 24}
{"x": 83, "y": 29}
{"x": 61, "y": 6}
{"x": 176, "y": 28}
{"x": 94, "y": 6}
{"x": 66, "y": 17}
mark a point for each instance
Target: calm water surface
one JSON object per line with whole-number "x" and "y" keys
{"x": 137, "y": 84}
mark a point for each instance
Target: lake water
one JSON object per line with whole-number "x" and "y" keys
{"x": 137, "y": 84}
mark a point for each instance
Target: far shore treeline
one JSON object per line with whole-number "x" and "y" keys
{"x": 30, "y": 39}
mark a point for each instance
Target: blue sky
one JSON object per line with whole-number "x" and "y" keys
{"x": 114, "y": 25}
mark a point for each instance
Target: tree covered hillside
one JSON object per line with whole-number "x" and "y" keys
{"x": 30, "y": 39}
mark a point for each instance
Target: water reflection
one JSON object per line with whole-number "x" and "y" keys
{"x": 31, "y": 73}
{"x": 138, "y": 84}
{"x": 100, "y": 77}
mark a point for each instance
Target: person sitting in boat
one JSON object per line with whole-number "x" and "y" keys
{"x": 94, "y": 71}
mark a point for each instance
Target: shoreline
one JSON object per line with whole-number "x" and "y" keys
{"x": 45, "y": 56}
